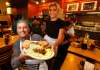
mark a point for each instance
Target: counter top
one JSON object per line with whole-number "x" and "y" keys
{"x": 76, "y": 55}
{"x": 3, "y": 47}
{"x": 12, "y": 41}
{"x": 6, "y": 50}
{"x": 91, "y": 29}
{"x": 95, "y": 54}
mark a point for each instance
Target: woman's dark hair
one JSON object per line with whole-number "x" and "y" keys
{"x": 36, "y": 18}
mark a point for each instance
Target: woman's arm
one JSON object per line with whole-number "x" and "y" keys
{"x": 60, "y": 38}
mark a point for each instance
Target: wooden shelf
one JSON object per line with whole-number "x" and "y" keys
{"x": 91, "y": 29}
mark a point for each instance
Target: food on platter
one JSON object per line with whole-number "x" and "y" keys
{"x": 26, "y": 44}
{"x": 40, "y": 50}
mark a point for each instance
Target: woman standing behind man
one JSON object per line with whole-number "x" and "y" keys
{"x": 54, "y": 29}
{"x": 54, "y": 26}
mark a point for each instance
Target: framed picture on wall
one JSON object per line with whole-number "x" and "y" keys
{"x": 89, "y": 6}
{"x": 72, "y": 7}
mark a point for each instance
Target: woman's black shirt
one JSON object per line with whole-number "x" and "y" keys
{"x": 52, "y": 27}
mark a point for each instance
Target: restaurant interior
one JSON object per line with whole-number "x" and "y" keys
{"x": 84, "y": 13}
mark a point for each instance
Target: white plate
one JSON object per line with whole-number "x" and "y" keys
{"x": 48, "y": 55}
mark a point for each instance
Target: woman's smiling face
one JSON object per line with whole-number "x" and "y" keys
{"x": 53, "y": 12}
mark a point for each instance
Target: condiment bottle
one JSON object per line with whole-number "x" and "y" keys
{"x": 6, "y": 39}
{"x": 84, "y": 41}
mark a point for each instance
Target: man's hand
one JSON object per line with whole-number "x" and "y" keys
{"x": 23, "y": 57}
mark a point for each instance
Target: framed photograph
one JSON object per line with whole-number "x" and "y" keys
{"x": 72, "y": 7}
{"x": 89, "y": 6}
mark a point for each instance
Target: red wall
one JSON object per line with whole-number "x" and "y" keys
{"x": 33, "y": 10}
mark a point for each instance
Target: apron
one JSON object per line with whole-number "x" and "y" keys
{"x": 50, "y": 40}
{"x": 35, "y": 64}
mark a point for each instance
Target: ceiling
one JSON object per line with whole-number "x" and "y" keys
{"x": 23, "y": 3}
{"x": 40, "y": 1}
{"x": 18, "y": 3}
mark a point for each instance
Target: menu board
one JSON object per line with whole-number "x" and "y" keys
{"x": 72, "y": 7}
{"x": 89, "y": 6}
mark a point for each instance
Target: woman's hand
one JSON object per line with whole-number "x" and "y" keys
{"x": 55, "y": 49}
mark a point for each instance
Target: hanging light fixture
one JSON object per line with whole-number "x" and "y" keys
{"x": 37, "y": 2}
{"x": 43, "y": 1}
{"x": 9, "y": 9}
{"x": 7, "y": 3}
